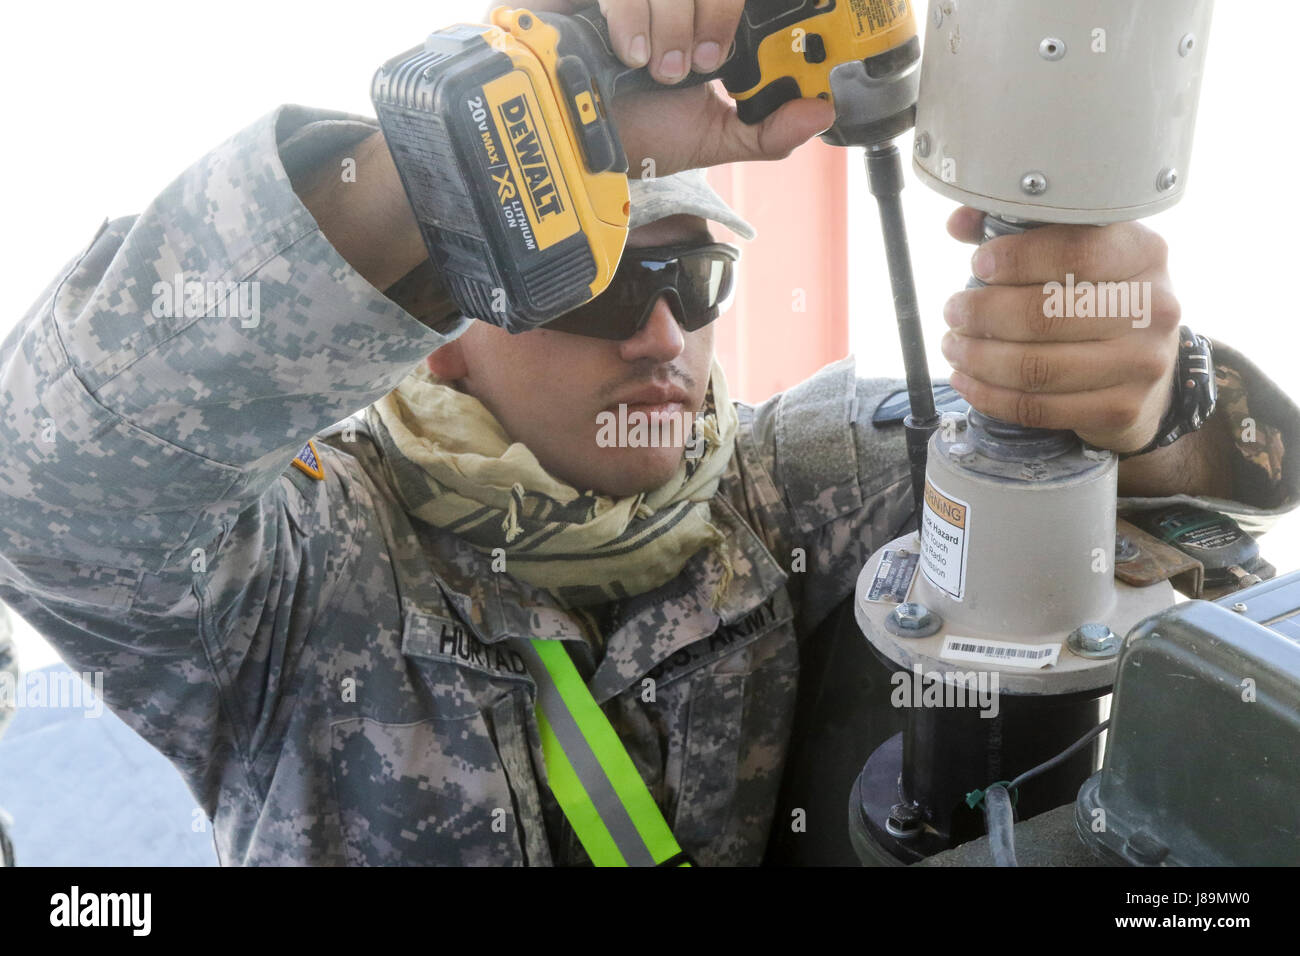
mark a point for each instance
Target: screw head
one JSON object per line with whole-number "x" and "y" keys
{"x": 1167, "y": 179}
{"x": 1034, "y": 183}
{"x": 923, "y": 145}
{"x": 1187, "y": 44}
{"x": 962, "y": 451}
{"x": 1241, "y": 607}
{"x": 1052, "y": 48}
{"x": 1094, "y": 640}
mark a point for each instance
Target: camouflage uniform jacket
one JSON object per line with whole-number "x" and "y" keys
{"x": 333, "y": 680}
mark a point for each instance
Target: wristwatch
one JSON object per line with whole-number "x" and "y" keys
{"x": 1195, "y": 392}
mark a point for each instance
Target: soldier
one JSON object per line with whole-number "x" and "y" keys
{"x": 340, "y": 551}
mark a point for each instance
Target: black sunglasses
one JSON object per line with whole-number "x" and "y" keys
{"x": 699, "y": 282}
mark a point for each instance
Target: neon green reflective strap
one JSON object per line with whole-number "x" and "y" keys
{"x": 573, "y": 799}
{"x": 593, "y": 779}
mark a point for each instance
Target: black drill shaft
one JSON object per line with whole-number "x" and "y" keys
{"x": 885, "y": 180}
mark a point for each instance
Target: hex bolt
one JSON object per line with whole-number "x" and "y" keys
{"x": 1034, "y": 183}
{"x": 1240, "y": 607}
{"x": 1052, "y": 48}
{"x": 1093, "y": 640}
{"x": 954, "y": 420}
{"x": 904, "y": 820}
{"x": 1167, "y": 180}
{"x": 962, "y": 451}
{"x": 912, "y": 616}
{"x": 912, "y": 620}
{"x": 1096, "y": 454}
{"x": 1125, "y": 549}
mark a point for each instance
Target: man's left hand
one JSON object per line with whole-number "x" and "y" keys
{"x": 1022, "y": 352}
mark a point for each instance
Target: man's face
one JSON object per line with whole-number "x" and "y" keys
{"x": 548, "y": 389}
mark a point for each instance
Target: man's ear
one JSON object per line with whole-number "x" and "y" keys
{"x": 448, "y": 362}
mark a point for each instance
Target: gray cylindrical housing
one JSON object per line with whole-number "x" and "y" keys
{"x": 1039, "y": 559}
{"x": 1061, "y": 112}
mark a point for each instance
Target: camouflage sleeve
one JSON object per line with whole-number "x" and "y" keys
{"x": 1264, "y": 423}
{"x": 152, "y": 399}
{"x": 843, "y": 482}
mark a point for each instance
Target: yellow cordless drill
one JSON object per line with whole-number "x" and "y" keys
{"x": 515, "y": 170}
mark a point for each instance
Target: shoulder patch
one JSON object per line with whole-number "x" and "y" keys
{"x": 308, "y": 461}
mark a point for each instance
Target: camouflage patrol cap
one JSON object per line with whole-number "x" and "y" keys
{"x": 687, "y": 193}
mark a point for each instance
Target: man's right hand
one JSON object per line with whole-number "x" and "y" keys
{"x": 685, "y": 129}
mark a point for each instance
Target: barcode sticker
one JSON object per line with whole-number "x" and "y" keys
{"x": 1000, "y": 652}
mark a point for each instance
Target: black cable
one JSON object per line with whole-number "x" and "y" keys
{"x": 1000, "y": 820}
{"x": 1060, "y": 758}
{"x": 999, "y": 813}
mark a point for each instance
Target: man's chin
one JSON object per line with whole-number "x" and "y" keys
{"x": 637, "y": 471}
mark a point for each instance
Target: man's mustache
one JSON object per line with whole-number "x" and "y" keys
{"x": 651, "y": 374}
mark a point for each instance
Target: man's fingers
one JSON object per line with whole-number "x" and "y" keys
{"x": 715, "y": 31}
{"x": 1056, "y": 367}
{"x": 1103, "y": 412}
{"x": 1081, "y": 311}
{"x": 1049, "y": 253}
{"x": 672, "y": 27}
{"x": 775, "y": 138}
{"x": 629, "y": 28}
{"x": 966, "y": 225}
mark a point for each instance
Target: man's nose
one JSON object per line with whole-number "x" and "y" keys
{"x": 661, "y": 338}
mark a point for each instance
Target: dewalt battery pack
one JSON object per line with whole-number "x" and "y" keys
{"x": 519, "y": 229}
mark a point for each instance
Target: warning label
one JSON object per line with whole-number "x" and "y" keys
{"x": 893, "y": 577}
{"x": 945, "y": 541}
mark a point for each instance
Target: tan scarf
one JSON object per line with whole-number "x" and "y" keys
{"x": 453, "y": 466}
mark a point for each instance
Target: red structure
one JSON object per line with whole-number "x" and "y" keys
{"x": 791, "y": 312}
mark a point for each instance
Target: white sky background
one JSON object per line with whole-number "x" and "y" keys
{"x": 108, "y": 102}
